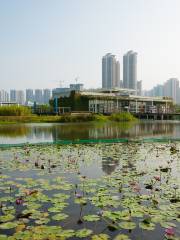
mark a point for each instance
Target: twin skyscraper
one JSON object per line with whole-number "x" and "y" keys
{"x": 111, "y": 71}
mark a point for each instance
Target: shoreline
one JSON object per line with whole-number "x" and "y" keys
{"x": 121, "y": 117}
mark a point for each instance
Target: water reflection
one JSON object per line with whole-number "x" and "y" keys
{"x": 13, "y": 131}
{"x": 53, "y": 132}
{"x": 109, "y": 165}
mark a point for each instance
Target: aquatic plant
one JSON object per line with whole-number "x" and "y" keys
{"x": 100, "y": 191}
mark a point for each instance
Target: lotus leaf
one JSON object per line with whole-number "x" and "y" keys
{"x": 66, "y": 233}
{"x": 91, "y": 218}
{"x": 122, "y": 237}
{"x": 3, "y": 237}
{"x": 100, "y": 237}
{"x": 59, "y": 216}
{"x": 6, "y": 218}
{"x": 167, "y": 224}
{"x": 8, "y": 225}
{"x": 82, "y": 233}
{"x": 145, "y": 226}
{"x": 127, "y": 225}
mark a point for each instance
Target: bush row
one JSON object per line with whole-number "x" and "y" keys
{"x": 122, "y": 117}
{"x": 14, "y": 111}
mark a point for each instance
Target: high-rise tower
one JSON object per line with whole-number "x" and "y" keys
{"x": 171, "y": 89}
{"x": 46, "y": 96}
{"x": 29, "y": 95}
{"x": 4, "y": 96}
{"x": 38, "y": 96}
{"x": 130, "y": 70}
{"x": 110, "y": 71}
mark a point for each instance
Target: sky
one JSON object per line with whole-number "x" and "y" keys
{"x": 49, "y": 43}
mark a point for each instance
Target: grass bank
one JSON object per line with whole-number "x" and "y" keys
{"x": 29, "y": 119}
{"x": 120, "y": 117}
{"x": 51, "y": 119}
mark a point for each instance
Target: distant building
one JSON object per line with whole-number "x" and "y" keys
{"x": 46, "y": 96}
{"x": 130, "y": 70}
{"x": 77, "y": 86}
{"x": 4, "y": 96}
{"x": 139, "y": 88}
{"x": 38, "y": 96}
{"x": 60, "y": 92}
{"x": 158, "y": 91}
{"x": 110, "y": 101}
{"x": 20, "y": 98}
{"x": 147, "y": 93}
{"x": 121, "y": 84}
{"x": 110, "y": 72}
{"x": 13, "y": 95}
{"x": 65, "y": 92}
{"x": 171, "y": 89}
{"x": 17, "y": 96}
{"x": 29, "y": 95}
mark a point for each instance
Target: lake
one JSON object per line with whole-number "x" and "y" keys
{"x": 43, "y": 132}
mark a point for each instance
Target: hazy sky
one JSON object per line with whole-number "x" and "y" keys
{"x": 43, "y": 42}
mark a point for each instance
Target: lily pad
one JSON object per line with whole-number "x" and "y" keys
{"x": 66, "y": 233}
{"x": 59, "y": 216}
{"x": 8, "y": 225}
{"x": 122, "y": 237}
{"x": 91, "y": 218}
{"x": 6, "y": 218}
{"x": 127, "y": 225}
{"x": 3, "y": 237}
{"x": 100, "y": 237}
{"x": 145, "y": 226}
{"x": 82, "y": 233}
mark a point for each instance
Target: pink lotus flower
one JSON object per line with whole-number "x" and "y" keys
{"x": 19, "y": 201}
{"x": 78, "y": 195}
{"x": 157, "y": 178}
{"x": 170, "y": 231}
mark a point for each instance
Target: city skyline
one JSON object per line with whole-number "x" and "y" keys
{"x": 27, "y": 96}
{"x": 43, "y": 42}
{"x": 170, "y": 88}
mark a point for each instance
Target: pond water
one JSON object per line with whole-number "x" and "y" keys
{"x": 101, "y": 191}
{"x": 90, "y": 191}
{"x": 19, "y": 133}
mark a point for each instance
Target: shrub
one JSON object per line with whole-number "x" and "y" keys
{"x": 122, "y": 117}
{"x": 14, "y": 111}
{"x": 82, "y": 118}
